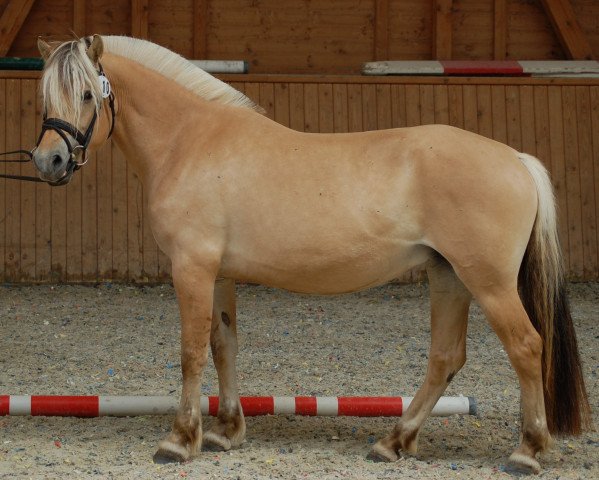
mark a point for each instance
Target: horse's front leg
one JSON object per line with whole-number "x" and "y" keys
{"x": 228, "y": 430}
{"x": 195, "y": 289}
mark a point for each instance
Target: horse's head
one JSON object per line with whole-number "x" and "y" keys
{"x": 74, "y": 89}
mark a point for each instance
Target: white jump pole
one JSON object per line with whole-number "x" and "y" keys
{"x": 127, "y": 406}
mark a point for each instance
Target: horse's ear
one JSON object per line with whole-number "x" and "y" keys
{"x": 44, "y": 48}
{"x": 95, "y": 50}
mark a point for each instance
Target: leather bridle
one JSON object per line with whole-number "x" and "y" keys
{"x": 63, "y": 128}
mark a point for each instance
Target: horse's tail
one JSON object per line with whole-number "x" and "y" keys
{"x": 542, "y": 290}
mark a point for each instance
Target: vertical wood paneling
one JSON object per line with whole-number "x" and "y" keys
{"x": 456, "y": 105}
{"x": 441, "y": 104}
{"x": 119, "y": 215}
{"x": 43, "y": 217}
{"x": 512, "y": 107}
{"x": 470, "y": 108}
{"x": 252, "y": 90}
{"x": 150, "y": 254}
{"x": 311, "y": 116}
{"x": 427, "y": 105}
{"x": 267, "y": 99}
{"x": 594, "y": 93}
{"x": 383, "y": 107}
{"x": 325, "y": 108}
{"x": 558, "y": 166}
{"x": 412, "y": 105}
{"x": 282, "y": 103}
{"x": 59, "y": 234}
{"x": 398, "y": 105}
{"x": 484, "y": 110}
{"x": 104, "y": 209}
{"x": 369, "y": 107}
{"x": 89, "y": 219}
{"x": 73, "y": 230}
{"x": 340, "y": 112}
{"x": 527, "y": 119}
{"x": 573, "y": 182}
{"x": 587, "y": 182}
{"x": 12, "y": 258}
{"x": 499, "y": 113}
{"x": 296, "y": 106}
{"x": 3, "y": 181}
{"x": 354, "y": 99}
{"x": 541, "y": 118}
{"x": 134, "y": 227}
{"x": 28, "y": 137}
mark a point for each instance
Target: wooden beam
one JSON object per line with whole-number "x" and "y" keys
{"x": 79, "y": 11}
{"x": 500, "y": 30}
{"x": 568, "y": 29}
{"x": 442, "y": 25}
{"x": 139, "y": 18}
{"x": 381, "y": 30}
{"x": 200, "y": 22}
{"x": 11, "y": 22}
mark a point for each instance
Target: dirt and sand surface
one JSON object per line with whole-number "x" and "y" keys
{"x": 124, "y": 340}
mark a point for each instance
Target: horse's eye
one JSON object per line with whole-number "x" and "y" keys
{"x": 87, "y": 96}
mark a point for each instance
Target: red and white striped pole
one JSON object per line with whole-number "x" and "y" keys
{"x": 125, "y": 406}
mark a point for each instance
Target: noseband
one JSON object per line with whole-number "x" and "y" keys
{"x": 63, "y": 128}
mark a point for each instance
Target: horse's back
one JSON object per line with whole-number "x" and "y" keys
{"x": 353, "y": 210}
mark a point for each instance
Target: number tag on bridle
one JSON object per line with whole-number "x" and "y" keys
{"x": 104, "y": 86}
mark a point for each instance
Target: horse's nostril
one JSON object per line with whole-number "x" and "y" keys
{"x": 56, "y": 160}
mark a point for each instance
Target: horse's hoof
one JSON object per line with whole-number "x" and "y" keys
{"x": 170, "y": 453}
{"x": 521, "y": 465}
{"x": 215, "y": 443}
{"x": 376, "y": 457}
{"x": 163, "y": 457}
{"x": 381, "y": 454}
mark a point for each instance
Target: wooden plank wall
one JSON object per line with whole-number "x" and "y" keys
{"x": 305, "y": 36}
{"x": 94, "y": 229}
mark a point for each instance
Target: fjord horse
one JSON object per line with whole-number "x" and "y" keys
{"x": 233, "y": 195}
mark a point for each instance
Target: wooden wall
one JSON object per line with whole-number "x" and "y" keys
{"x": 94, "y": 229}
{"x": 317, "y": 36}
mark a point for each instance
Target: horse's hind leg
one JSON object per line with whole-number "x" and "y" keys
{"x": 450, "y": 302}
{"x": 228, "y": 429}
{"x": 505, "y": 312}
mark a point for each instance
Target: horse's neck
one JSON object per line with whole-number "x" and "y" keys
{"x": 151, "y": 112}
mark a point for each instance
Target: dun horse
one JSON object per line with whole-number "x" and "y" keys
{"x": 233, "y": 195}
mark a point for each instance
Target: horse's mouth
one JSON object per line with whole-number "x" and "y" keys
{"x": 65, "y": 178}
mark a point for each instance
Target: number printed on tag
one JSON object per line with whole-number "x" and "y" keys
{"x": 104, "y": 86}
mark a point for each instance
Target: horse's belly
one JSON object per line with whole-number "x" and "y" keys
{"x": 324, "y": 272}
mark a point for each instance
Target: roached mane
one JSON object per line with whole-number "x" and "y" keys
{"x": 70, "y": 62}
{"x": 175, "y": 67}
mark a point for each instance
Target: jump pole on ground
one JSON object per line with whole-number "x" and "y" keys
{"x": 128, "y": 406}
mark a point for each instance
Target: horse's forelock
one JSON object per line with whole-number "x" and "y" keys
{"x": 67, "y": 74}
